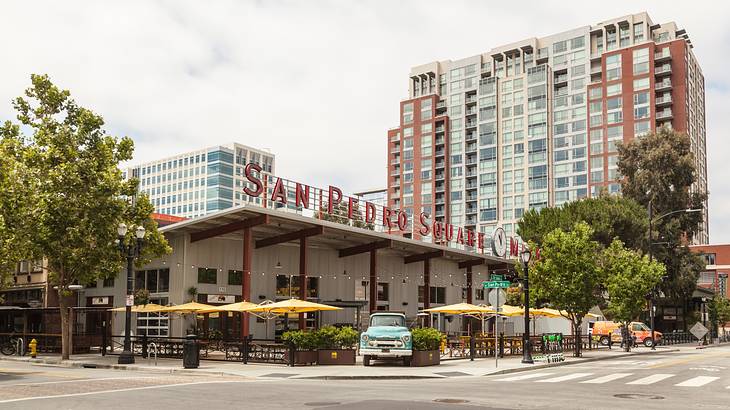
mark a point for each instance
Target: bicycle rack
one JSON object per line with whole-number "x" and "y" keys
{"x": 20, "y": 349}
{"x": 152, "y": 345}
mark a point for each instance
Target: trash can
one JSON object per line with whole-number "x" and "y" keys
{"x": 191, "y": 352}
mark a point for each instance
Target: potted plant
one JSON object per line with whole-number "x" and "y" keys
{"x": 336, "y": 346}
{"x": 426, "y": 343}
{"x": 305, "y": 346}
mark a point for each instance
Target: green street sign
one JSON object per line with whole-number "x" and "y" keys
{"x": 495, "y": 284}
{"x": 496, "y": 277}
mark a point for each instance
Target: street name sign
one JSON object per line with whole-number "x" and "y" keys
{"x": 495, "y": 284}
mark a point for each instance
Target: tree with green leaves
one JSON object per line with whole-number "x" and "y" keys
{"x": 609, "y": 216}
{"x": 17, "y": 197}
{"x": 339, "y": 215}
{"x": 568, "y": 273}
{"x": 630, "y": 277}
{"x": 719, "y": 312}
{"x": 659, "y": 170}
{"x": 82, "y": 196}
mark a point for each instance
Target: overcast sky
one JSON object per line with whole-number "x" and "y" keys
{"x": 316, "y": 82}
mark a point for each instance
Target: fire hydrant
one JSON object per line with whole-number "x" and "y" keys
{"x": 33, "y": 345}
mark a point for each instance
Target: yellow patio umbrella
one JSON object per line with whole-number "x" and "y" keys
{"x": 290, "y": 306}
{"x": 148, "y": 308}
{"x": 546, "y": 312}
{"x": 231, "y": 307}
{"x": 460, "y": 309}
{"x": 508, "y": 310}
{"x": 190, "y": 307}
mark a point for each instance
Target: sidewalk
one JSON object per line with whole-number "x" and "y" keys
{"x": 447, "y": 368}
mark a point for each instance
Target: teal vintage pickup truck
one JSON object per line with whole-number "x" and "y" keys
{"x": 386, "y": 337}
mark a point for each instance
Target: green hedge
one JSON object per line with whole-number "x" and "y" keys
{"x": 327, "y": 337}
{"x": 426, "y": 338}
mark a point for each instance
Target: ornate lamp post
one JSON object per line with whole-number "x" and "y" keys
{"x": 526, "y": 348}
{"x": 130, "y": 251}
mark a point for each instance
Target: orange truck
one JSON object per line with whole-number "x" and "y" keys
{"x": 602, "y": 330}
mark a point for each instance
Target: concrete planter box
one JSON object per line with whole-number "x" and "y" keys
{"x": 422, "y": 358}
{"x": 336, "y": 356}
{"x": 302, "y": 357}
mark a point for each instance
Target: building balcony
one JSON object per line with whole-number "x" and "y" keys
{"x": 471, "y": 173}
{"x": 395, "y": 173}
{"x": 596, "y": 69}
{"x": 471, "y": 124}
{"x": 395, "y": 162}
{"x": 664, "y": 55}
{"x": 471, "y": 197}
{"x": 438, "y": 201}
{"x": 471, "y": 136}
{"x": 561, "y": 79}
{"x": 665, "y": 114}
{"x": 471, "y": 210}
{"x": 664, "y": 85}
{"x": 471, "y": 148}
{"x": 439, "y": 176}
{"x": 471, "y": 99}
{"x": 440, "y": 128}
{"x": 663, "y": 70}
{"x": 471, "y": 221}
{"x": 440, "y": 104}
{"x": 472, "y": 186}
{"x": 439, "y": 214}
{"x": 439, "y": 140}
{"x": 664, "y": 100}
{"x": 439, "y": 153}
{"x": 471, "y": 110}
{"x": 440, "y": 164}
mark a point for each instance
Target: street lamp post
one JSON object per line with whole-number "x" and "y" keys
{"x": 526, "y": 348}
{"x": 652, "y": 308}
{"x": 130, "y": 252}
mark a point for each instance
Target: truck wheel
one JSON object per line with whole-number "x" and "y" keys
{"x": 603, "y": 340}
{"x": 366, "y": 360}
{"x": 648, "y": 342}
{"x": 406, "y": 361}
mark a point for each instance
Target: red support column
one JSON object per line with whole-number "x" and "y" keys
{"x": 246, "y": 288}
{"x": 373, "y": 280}
{"x": 468, "y": 285}
{"x": 302, "y": 277}
{"x": 427, "y": 288}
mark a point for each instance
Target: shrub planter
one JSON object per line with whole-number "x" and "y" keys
{"x": 336, "y": 356}
{"x": 422, "y": 358}
{"x": 305, "y": 357}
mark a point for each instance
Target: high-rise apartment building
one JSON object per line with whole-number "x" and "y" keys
{"x": 200, "y": 182}
{"x": 535, "y": 123}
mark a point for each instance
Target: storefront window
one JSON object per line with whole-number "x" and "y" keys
{"x": 382, "y": 291}
{"x": 284, "y": 290}
{"x": 208, "y": 275}
{"x": 438, "y": 294}
{"x": 235, "y": 277}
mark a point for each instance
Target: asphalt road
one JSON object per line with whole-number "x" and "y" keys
{"x": 698, "y": 379}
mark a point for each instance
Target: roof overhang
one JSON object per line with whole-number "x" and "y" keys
{"x": 334, "y": 235}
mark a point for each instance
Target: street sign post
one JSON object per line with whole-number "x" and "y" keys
{"x": 497, "y": 282}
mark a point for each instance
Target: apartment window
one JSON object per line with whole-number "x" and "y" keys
{"x": 641, "y": 84}
{"x": 578, "y": 42}
{"x": 641, "y": 61}
{"x": 641, "y": 127}
{"x": 560, "y": 47}
{"x": 594, "y": 93}
{"x": 641, "y": 98}
{"x": 641, "y": 112}
{"x": 613, "y": 104}
{"x": 108, "y": 282}
{"x": 614, "y": 117}
{"x": 208, "y": 275}
{"x": 614, "y": 89}
{"x": 638, "y": 32}
{"x": 235, "y": 277}
{"x": 613, "y": 67}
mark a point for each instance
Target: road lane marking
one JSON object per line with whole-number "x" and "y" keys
{"x": 564, "y": 378}
{"x": 651, "y": 379}
{"x": 524, "y": 377}
{"x": 122, "y": 390}
{"x": 607, "y": 378}
{"x": 697, "y": 381}
{"x": 691, "y": 357}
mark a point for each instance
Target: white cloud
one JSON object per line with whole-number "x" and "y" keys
{"x": 317, "y": 82}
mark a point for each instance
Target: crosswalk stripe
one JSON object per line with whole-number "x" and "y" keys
{"x": 564, "y": 378}
{"x": 607, "y": 378}
{"x": 651, "y": 379}
{"x": 524, "y": 377}
{"x": 697, "y": 381}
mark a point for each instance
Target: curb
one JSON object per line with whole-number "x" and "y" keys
{"x": 168, "y": 370}
{"x": 579, "y": 361}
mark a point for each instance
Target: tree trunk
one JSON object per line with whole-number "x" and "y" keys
{"x": 577, "y": 339}
{"x": 65, "y": 328}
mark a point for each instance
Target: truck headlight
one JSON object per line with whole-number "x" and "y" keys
{"x": 406, "y": 338}
{"x": 365, "y": 338}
